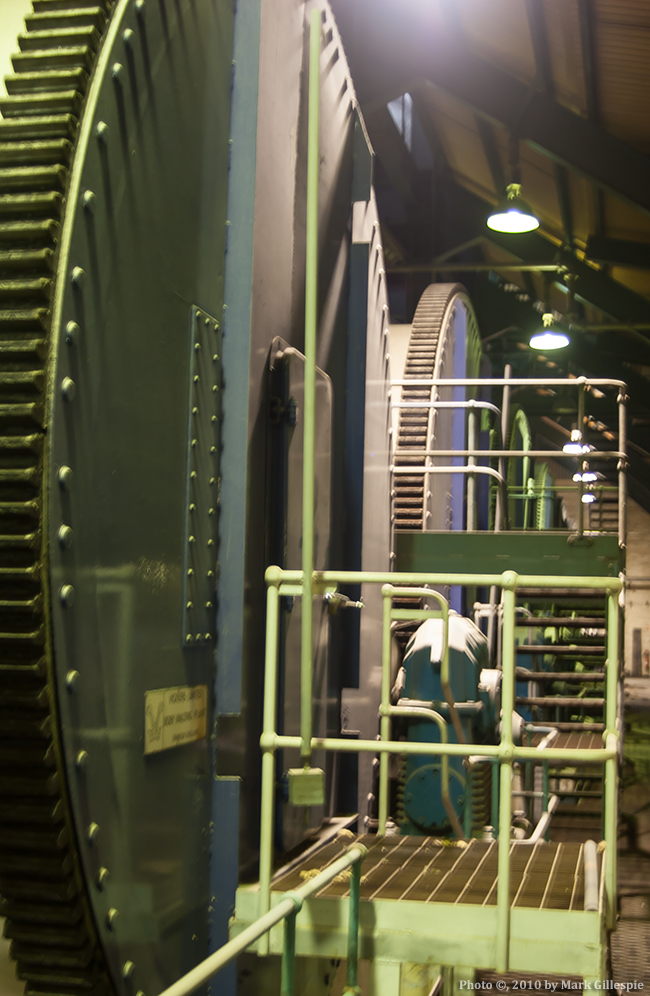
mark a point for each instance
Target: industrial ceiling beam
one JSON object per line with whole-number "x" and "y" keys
{"x": 591, "y": 286}
{"x": 618, "y": 252}
{"x": 491, "y": 153}
{"x": 585, "y": 20}
{"x": 539, "y": 39}
{"x": 545, "y": 125}
{"x": 451, "y": 267}
{"x": 399, "y": 52}
{"x": 564, "y": 202}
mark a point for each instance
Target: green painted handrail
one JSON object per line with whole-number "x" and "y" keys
{"x": 504, "y": 753}
{"x": 309, "y": 399}
{"x": 286, "y": 909}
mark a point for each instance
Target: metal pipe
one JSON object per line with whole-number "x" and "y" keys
{"x": 492, "y": 620}
{"x": 384, "y": 724}
{"x": 501, "y": 506}
{"x": 489, "y": 471}
{"x": 573, "y": 755}
{"x": 407, "y": 471}
{"x": 476, "y": 268}
{"x": 591, "y": 888}
{"x": 210, "y": 966}
{"x": 435, "y": 717}
{"x": 466, "y": 708}
{"x": 551, "y": 735}
{"x": 510, "y": 382}
{"x": 555, "y": 454}
{"x": 268, "y": 753}
{"x": 388, "y": 591}
{"x": 287, "y": 983}
{"x": 545, "y": 785}
{"x": 581, "y": 425}
{"x": 309, "y": 402}
{"x": 276, "y": 575}
{"x": 575, "y": 702}
{"x": 611, "y": 738}
{"x": 352, "y": 974}
{"x": 505, "y": 779}
{"x": 472, "y": 442}
{"x": 622, "y": 470}
{"x": 595, "y": 677}
{"x": 291, "y": 903}
{"x": 471, "y": 405}
{"x": 544, "y": 822}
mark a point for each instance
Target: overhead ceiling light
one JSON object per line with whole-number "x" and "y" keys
{"x": 576, "y": 445}
{"x": 512, "y": 214}
{"x": 549, "y": 338}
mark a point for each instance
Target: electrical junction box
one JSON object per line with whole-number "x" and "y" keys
{"x": 306, "y": 786}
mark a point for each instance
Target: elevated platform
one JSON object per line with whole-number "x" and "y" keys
{"x": 428, "y": 901}
{"x": 560, "y": 554}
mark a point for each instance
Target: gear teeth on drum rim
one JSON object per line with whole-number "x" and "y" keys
{"x": 47, "y": 913}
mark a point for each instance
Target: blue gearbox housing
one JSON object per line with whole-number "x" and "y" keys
{"x": 475, "y": 689}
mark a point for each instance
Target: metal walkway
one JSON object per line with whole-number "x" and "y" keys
{"x": 425, "y": 870}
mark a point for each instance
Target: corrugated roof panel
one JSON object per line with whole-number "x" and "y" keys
{"x": 622, "y": 221}
{"x": 565, "y": 50}
{"x": 624, "y": 83}
{"x": 636, "y": 280}
{"x": 498, "y": 32}
{"x": 582, "y": 210}
{"x": 633, "y": 12}
{"x": 464, "y": 152}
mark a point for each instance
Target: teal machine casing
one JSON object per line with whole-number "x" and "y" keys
{"x": 423, "y": 809}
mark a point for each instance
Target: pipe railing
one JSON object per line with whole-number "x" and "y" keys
{"x": 472, "y": 453}
{"x": 286, "y": 909}
{"x": 505, "y": 753}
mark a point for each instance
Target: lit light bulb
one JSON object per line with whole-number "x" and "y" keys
{"x": 549, "y": 338}
{"x": 512, "y": 214}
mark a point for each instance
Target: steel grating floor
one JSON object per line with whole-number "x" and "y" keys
{"x": 426, "y": 869}
{"x": 573, "y": 741}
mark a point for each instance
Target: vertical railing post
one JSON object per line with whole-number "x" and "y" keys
{"x": 352, "y": 969}
{"x": 611, "y": 766}
{"x": 505, "y": 780}
{"x": 501, "y": 514}
{"x": 472, "y": 444}
{"x": 581, "y": 487}
{"x": 268, "y": 751}
{"x": 545, "y": 791}
{"x": 622, "y": 467}
{"x": 309, "y": 401}
{"x": 289, "y": 956}
{"x": 384, "y": 725}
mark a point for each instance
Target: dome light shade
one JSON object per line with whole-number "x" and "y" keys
{"x": 512, "y": 214}
{"x": 549, "y": 338}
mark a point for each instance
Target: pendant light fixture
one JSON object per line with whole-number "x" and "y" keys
{"x": 513, "y": 213}
{"x": 548, "y": 337}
